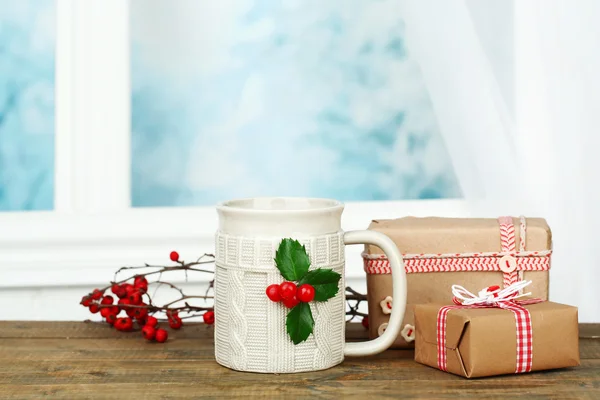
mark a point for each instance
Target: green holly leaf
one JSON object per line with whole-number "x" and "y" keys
{"x": 299, "y": 323}
{"x": 324, "y": 280}
{"x": 292, "y": 260}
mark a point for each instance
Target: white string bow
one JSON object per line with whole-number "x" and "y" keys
{"x": 485, "y": 296}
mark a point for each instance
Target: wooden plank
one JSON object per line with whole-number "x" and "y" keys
{"x": 405, "y": 379}
{"x": 74, "y": 360}
{"x": 84, "y": 330}
{"x": 589, "y": 331}
{"x": 377, "y": 368}
{"x": 589, "y": 349}
{"x": 97, "y": 330}
{"x": 301, "y": 389}
{"x": 89, "y": 329}
{"x": 175, "y": 348}
{"x": 32, "y": 372}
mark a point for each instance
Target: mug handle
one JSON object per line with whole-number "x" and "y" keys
{"x": 398, "y": 293}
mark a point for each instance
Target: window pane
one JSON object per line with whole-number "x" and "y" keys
{"x": 26, "y": 104}
{"x": 298, "y": 98}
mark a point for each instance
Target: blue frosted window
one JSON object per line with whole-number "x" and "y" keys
{"x": 298, "y": 98}
{"x": 26, "y": 104}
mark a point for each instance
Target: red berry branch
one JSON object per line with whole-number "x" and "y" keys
{"x": 131, "y": 305}
{"x": 135, "y": 308}
{"x": 353, "y": 299}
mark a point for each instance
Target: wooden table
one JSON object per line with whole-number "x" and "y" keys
{"x": 73, "y": 360}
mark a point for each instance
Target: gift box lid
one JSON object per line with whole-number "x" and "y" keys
{"x": 457, "y": 235}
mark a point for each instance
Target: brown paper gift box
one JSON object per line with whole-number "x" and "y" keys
{"x": 447, "y": 235}
{"x": 482, "y": 341}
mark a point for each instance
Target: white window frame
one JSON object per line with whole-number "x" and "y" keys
{"x": 93, "y": 229}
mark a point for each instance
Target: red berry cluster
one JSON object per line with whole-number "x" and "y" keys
{"x": 150, "y": 331}
{"x": 290, "y": 294}
{"x": 134, "y": 304}
{"x": 131, "y": 302}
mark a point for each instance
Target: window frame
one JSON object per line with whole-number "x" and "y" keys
{"x": 93, "y": 229}
{"x": 48, "y": 248}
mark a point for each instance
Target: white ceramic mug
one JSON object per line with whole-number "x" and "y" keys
{"x": 250, "y": 330}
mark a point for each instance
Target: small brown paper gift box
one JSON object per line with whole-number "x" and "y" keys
{"x": 483, "y": 341}
{"x": 466, "y": 251}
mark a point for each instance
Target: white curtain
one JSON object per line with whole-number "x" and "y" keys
{"x": 540, "y": 157}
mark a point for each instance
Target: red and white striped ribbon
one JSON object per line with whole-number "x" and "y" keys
{"x": 483, "y": 261}
{"x": 414, "y": 263}
{"x": 507, "y": 241}
{"x": 507, "y": 299}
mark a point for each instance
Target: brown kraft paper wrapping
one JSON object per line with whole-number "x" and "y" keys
{"x": 482, "y": 341}
{"x": 415, "y": 235}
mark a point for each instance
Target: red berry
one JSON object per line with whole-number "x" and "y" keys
{"x": 161, "y": 335}
{"x": 119, "y": 290}
{"x": 306, "y": 293}
{"x": 120, "y": 324}
{"x": 291, "y": 302}
{"x": 97, "y": 294}
{"x": 124, "y": 324}
{"x": 129, "y": 288}
{"x": 152, "y": 321}
{"x": 123, "y": 304}
{"x": 148, "y": 332}
{"x": 365, "y": 322}
{"x": 173, "y": 319}
{"x": 94, "y": 308}
{"x": 174, "y": 256}
{"x": 273, "y": 293}
{"x": 141, "y": 284}
{"x": 209, "y": 317}
{"x": 86, "y": 301}
{"x": 135, "y": 298}
{"x": 105, "y": 312}
{"x": 287, "y": 290}
{"x": 107, "y": 300}
{"x": 111, "y": 319}
{"x": 175, "y": 323}
{"x": 140, "y": 313}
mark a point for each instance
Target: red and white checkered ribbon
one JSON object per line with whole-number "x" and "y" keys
{"x": 493, "y": 296}
{"x": 484, "y": 261}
